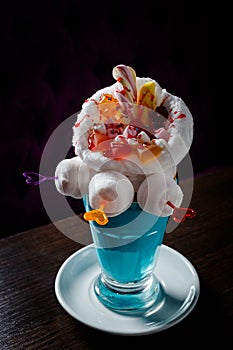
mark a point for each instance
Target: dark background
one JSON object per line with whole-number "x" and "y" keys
{"x": 55, "y": 54}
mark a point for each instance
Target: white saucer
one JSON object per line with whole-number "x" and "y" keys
{"x": 74, "y": 291}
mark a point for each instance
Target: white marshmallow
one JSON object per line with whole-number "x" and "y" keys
{"x": 133, "y": 142}
{"x": 112, "y": 190}
{"x": 73, "y": 177}
{"x": 143, "y": 137}
{"x": 155, "y": 191}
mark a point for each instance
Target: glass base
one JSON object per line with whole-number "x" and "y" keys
{"x": 133, "y": 298}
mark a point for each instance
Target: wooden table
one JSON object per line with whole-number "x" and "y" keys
{"x": 32, "y": 319}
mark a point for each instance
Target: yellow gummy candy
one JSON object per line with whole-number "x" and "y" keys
{"x": 147, "y": 95}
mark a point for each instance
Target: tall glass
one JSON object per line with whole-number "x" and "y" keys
{"x": 127, "y": 248}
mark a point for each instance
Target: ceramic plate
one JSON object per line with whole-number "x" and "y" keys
{"x": 74, "y": 291}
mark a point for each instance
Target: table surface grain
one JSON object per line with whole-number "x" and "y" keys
{"x": 32, "y": 319}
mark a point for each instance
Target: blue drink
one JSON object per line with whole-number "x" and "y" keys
{"x": 127, "y": 248}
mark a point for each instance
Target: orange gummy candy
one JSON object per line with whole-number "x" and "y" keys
{"x": 97, "y": 215}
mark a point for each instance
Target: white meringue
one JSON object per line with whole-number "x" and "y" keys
{"x": 149, "y": 169}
